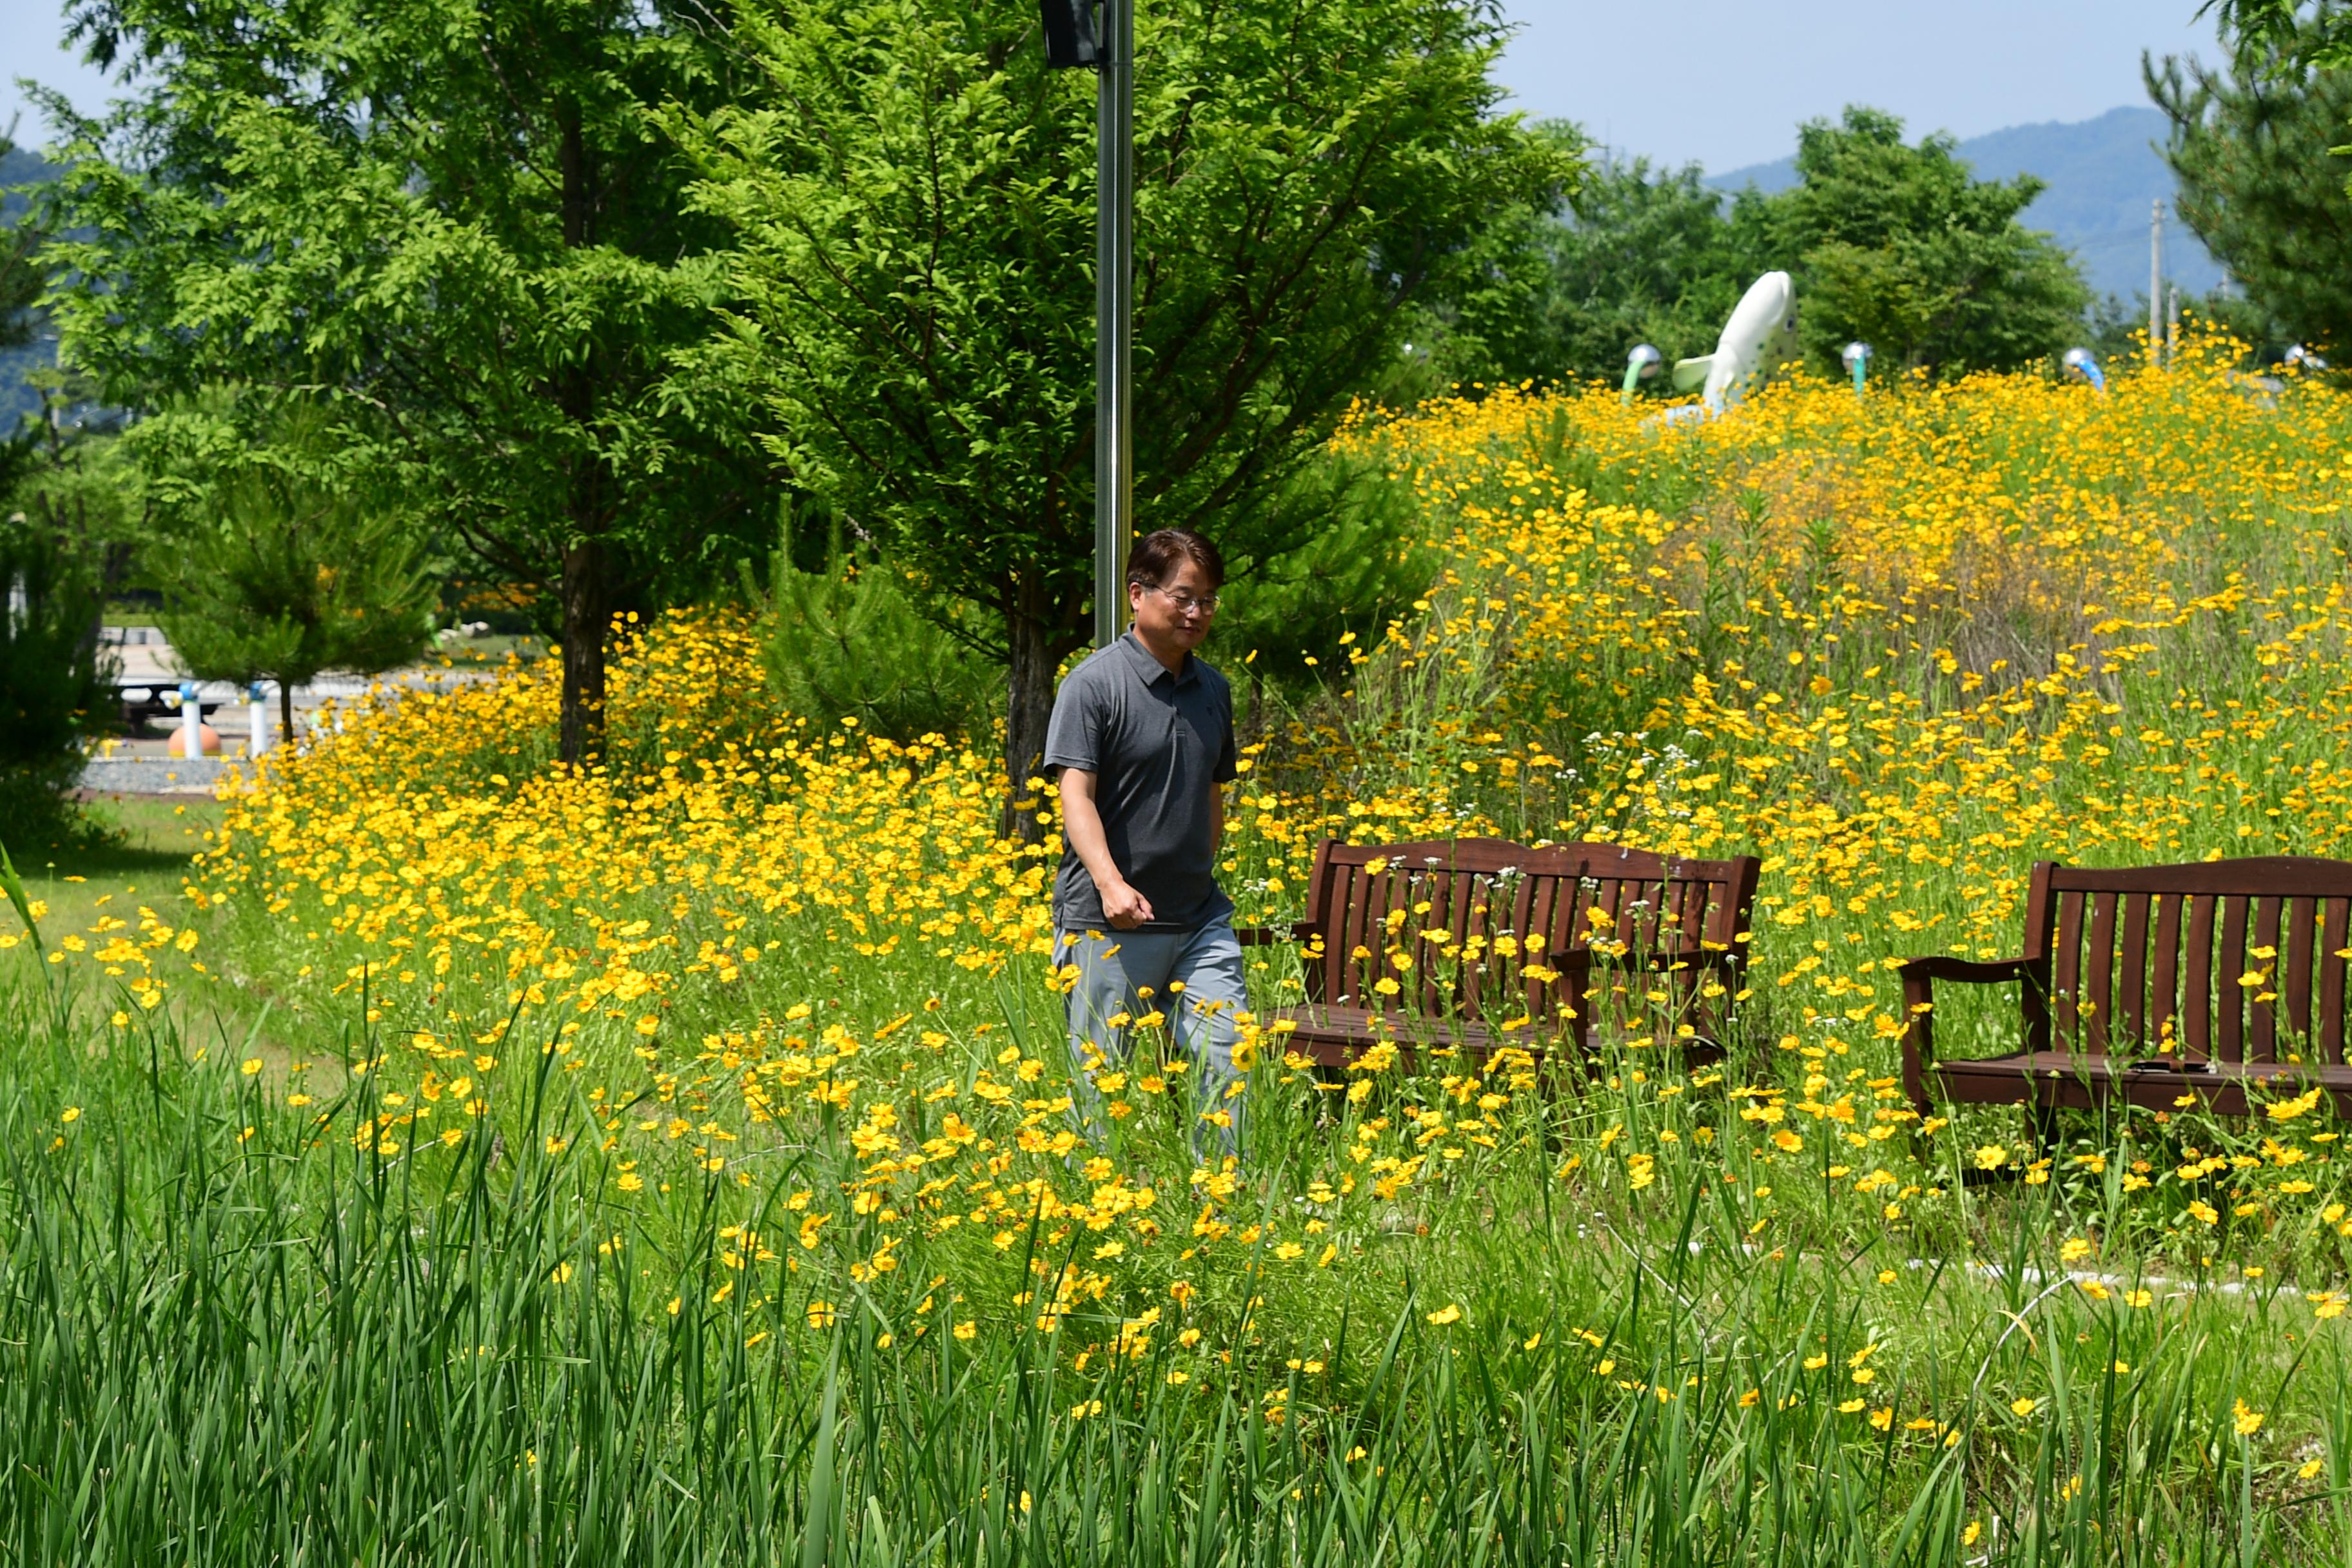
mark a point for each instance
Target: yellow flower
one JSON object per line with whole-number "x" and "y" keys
{"x": 2248, "y": 1422}
{"x": 1446, "y": 1314}
{"x": 2023, "y": 1407}
{"x": 1991, "y": 1157}
{"x": 250, "y": 1066}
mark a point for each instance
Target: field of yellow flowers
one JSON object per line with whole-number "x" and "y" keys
{"x": 672, "y": 1161}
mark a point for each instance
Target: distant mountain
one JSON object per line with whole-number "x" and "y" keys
{"x": 2101, "y": 174}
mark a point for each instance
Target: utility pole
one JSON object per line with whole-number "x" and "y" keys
{"x": 1114, "y": 318}
{"x": 2155, "y": 284}
{"x": 2172, "y": 325}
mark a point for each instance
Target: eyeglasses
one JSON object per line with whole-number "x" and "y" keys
{"x": 1185, "y": 603}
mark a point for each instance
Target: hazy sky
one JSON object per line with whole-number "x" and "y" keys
{"x": 1723, "y": 83}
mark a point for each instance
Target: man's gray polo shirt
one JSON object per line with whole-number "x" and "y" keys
{"x": 1158, "y": 743}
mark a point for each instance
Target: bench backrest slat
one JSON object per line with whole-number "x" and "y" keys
{"x": 2233, "y": 961}
{"x": 2164, "y": 988}
{"x": 2132, "y": 1000}
{"x": 2301, "y": 933}
{"x": 2329, "y": 1038}
{"x": 2097, "y": 1001}
{"x": 2261, "y": 1020}
{"x": 2066, "y": 980}
{"x": 2196, "y": 984}
{"x": 2229, "y": 964}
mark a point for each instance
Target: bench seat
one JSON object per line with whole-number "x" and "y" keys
{"x": 2058, "y": 1080}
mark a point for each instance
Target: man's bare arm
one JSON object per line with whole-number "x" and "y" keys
{"x": 1082, "y": 826}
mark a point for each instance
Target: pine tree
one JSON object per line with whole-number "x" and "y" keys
{"x": 2254, "y": 147}
{"x": 273, "y": 572}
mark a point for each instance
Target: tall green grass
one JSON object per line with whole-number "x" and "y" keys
{"x": 228, "y": 1336}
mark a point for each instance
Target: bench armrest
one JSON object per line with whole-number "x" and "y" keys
{"x": 1919, "y": 977}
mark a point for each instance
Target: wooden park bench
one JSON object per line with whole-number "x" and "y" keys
{"x": 1503, "y": 944}
{"x": 2154, "y": 982}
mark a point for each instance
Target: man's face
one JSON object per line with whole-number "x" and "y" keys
{"x": 1176, "y": 613}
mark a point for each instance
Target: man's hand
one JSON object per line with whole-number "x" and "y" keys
{"x": 1123, "y": 906}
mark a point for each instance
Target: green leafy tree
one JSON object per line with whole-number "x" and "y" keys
{"x": 912, "y": 193}
{"x": 1902, "y": 246}
{"x": 1647, "y": 257}
{"x": 846, "y": 641}
{"x": 23, "y": 277}
{"x": 274, "y": 568}
{"x": 2262, "y": 180}
{"x": 1893, "y": 243}
{"x": 459, "y": 231}
{"x": 63, "y": 495}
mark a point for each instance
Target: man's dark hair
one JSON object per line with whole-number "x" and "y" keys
{"x": 1159, "y": 554}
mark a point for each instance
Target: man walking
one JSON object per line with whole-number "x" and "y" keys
{"x": 1143, "y": 738}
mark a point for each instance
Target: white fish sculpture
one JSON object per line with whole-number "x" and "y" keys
{"x": 1759, "y": 338}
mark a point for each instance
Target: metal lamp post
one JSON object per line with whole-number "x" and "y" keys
{"x": 1072, "y": 41}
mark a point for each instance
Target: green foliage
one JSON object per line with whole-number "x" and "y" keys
{"x": 1893, "y": 242}
{"x": 1639, "y": 256}
{"x": 2262, "y": 181}
{"x": 276, "y": 569}
{"x": 52, "y": 674}
{"x": 464, "y": 229}
{"x": 847, "y": 640}
{"x": 1281, "y": 625}
{"x": 2268, "y": 34}
{"x": 1901, "y": 247}
{"x": 912, "y": 194}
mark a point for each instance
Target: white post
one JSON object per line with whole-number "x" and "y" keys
{"x": 2172, "y": 325}
{"x": 2155, "y": 284}
{"x": 192, "y": 719}
{"x": 256, "y": 713}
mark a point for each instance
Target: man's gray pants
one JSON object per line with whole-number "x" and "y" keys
{"x": 1114, "y": 969}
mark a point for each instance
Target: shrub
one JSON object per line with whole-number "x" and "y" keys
{"x": 848, "y": 641}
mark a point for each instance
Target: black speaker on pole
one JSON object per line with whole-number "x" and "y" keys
{"x": 1070, "y": 34}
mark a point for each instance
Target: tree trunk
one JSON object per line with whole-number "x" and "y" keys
{"x": 1029, "y": 704}
{"x": 285, "y": 712}
{"x": 583, "y": 651}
